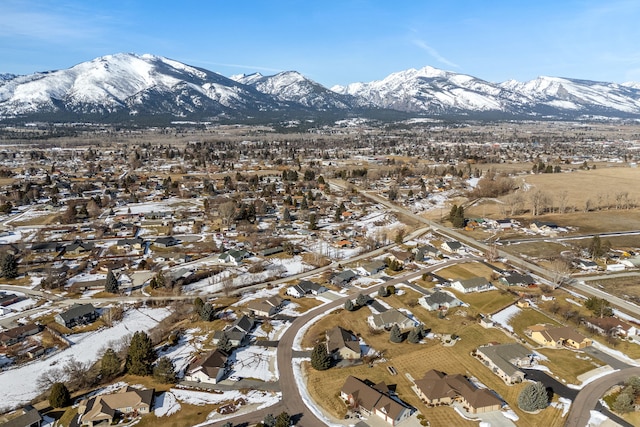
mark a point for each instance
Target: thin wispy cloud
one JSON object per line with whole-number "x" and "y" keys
{"x": 434, "y": 53}
{"x": 45, "y": 26}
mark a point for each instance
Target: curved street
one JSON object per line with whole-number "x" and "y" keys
{"x": 588, "y": 398}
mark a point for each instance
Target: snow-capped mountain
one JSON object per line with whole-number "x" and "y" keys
{"x": 126, "y": 85}
{"x": 430, "y": 90}
{"x": 135, "y": 84}
{"x": 293, "y": 86}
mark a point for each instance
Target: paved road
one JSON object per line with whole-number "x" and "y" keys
{"x": 589, "y": 396}
{"x": 512, "y": 259}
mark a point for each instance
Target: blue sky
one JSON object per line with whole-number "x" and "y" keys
{"x": 334, "y": 42}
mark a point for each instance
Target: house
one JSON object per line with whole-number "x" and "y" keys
{"x": 439, "y": 388}
{"x": 439, "y": 300}
{"x": 373, "y": 267}
{"x": 25, "y": 417}
{"x": 46, "y": 247}
{"x": 586, "y": 265}
{"x": 343, "y": 278}
{"x": 387, "y": 319}
{"x": 557, "y": 337}
{"x": 611, "y": 326}
{"x": 236, "y": 332}
{"x": 8, "y": 299}
{"x": 78, "y": 314}
{"x": 546, "y": 228}
{"x": 453, "y": 247}
{"x": 403, "y": 257}
{"x": 17, "y": 334}
{"x": 474, "y": 284}
{"x": 233, "y": 257}
{"x": 426, "y": 251}
{"x": 101, "y": 410}
{"x": 342, "y": 344}
{"x": 513, "y": 278}
{"x": 271, "y": 251}
{"x": 375, "y": 399}
{"x": 265, "y": 307}
{"x": 78, "y": 247}
{"x": 136, "y": 243}
{"x": 165, "y": 242}
{"x": 209, "y": 369}
{"x": 505, "y": 359}
{"x": 305, "y": 287}
{"x": 505, "y": 224}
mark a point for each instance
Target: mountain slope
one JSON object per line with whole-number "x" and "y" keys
{"x": 130, "y": 83}
{"x": 293, "y": 86}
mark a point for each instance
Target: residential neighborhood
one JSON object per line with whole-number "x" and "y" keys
{"x": 153, "y": 282}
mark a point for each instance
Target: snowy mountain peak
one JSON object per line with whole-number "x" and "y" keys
{"x": 152, "y": 85}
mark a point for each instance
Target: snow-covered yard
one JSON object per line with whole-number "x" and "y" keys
{"x": 168, "y": 403}
{"x": 86, "y": 349}
{"x": 502, "y": 317}
{"x": 255, "y": 362}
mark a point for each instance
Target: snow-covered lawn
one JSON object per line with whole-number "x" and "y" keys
{"x": 278, "y": 327}
{"x": 20, "y": 385}
{"x": 564, "y": 404}
{"x": 255, "y": 362}
{"x": 168, "y": 403}
{"x": 181, "y": 353}
{"x": 502, "y": 317}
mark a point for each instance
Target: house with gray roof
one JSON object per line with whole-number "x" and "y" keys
{"x": 504, "y": 360}
{"x": 26, "y": 417}
{"x": 439, "y": 300}
{"x": 375, "y": 399}
{"x": 387, "y": 319}
{"x": 78, "y": 314}
{"x": 513, "y": 278}
{"x": 343, "y": 278}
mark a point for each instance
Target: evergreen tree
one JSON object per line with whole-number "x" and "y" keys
{"x": 349, "y": 306}
{"x": 320, "y": 359}
{"x": 595, "y": 247}
{"x": 198, "y": 304}
{"x": 9, "y": 266}
{"x": 624, "y": 402}
{"x": 224, "y": 344}
{"x": 382, "y": 291}
{"x": 59, "y": 396}
{"x": 286, "y": 215}
{"x": 362, "y": 300}
{"x": 140, "y": 355}
{"x": 269, "y": 421}
{"x": 227, "y": 424}
{"x": 109, "y": 364}
{"x": 111, "y": 284}
{"x": 207, "y": 312}
{"x": 415, "y": 335}
{"x": 453, "y": 212}
{"x": 283, "y": 420}
{"x": 164, "y": 371}
{"x": 395, "y": 335}
{"x": 533, "y": 397}
{"x": 313, "y": 222}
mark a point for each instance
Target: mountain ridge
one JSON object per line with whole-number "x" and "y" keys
{"x": 131, "y": 85}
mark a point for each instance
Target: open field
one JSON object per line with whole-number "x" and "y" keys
{"x": 486, "y": 302}
{"x": 466, "y": 271}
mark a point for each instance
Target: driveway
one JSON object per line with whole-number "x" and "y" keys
{"x": 610, "y": 360}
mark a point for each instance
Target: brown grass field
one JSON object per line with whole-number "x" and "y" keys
{"x": 466, "y": 271}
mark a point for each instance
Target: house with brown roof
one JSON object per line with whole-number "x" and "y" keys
{"x": 611, "y": 326}
{"x": 439, "y": 388}
{"x": 557, "y": 337}
{"x": 210, "y": 368}
{"x": 375, "y": 399}
{"x": 342, "y": 344}
{"x": 101, "y": 410}
{"x": 265, "y": 307}
{"x": 17, "y": 334}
